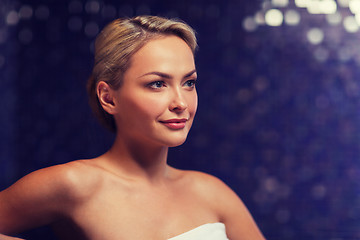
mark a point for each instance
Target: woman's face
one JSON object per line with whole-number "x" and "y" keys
{"x": 157, "y": 101}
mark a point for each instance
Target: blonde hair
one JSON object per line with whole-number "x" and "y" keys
{"x": 116, "y": 44}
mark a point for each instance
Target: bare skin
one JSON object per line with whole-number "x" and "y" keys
{"x": 131, "y": 192}
{"x": 162, "y": 209}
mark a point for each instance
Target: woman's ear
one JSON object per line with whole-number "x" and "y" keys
{"x": 106, "y": 97}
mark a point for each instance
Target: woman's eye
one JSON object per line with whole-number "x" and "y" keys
{"x": 190, "y": 83}
{"x": 156, "y": 84}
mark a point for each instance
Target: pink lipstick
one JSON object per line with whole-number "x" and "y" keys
{"x": 175, "y": 124}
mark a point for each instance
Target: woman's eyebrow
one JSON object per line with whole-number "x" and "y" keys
{"x": 160, "y": 74}
{"x": 190, "y": 73}
{"x": 165, "y": 75}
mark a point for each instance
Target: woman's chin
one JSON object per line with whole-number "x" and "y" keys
{"x": 176, "y": 142}
{"x": 176, "y": 145}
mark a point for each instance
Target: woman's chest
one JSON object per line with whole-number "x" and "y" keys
{"x": 141, "y": 214}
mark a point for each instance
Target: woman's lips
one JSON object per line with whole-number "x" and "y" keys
{"x": 175, "y": 123}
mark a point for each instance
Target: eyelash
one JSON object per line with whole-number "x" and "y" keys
{"x": 155, "y": 84}
{"x": 192, "y": 82}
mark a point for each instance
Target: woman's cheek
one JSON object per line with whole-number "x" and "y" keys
{"x": 193, "y": 103}
{"x": 155, "y": 105}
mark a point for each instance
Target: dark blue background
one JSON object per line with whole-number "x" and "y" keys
{"x": 277, "y": 125}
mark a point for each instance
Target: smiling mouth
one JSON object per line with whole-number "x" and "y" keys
{"x": 175, "y": 124}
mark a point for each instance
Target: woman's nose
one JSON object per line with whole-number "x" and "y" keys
{"x": 178, "y": 103}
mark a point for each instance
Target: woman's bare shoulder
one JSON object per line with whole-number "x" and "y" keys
{"x": 229, "y": 207}
{"x": 77, "y": 179}
{"x": 69, "y": 180}
{"x": 204, "y": 182}
{"x": 206, "y": 186}
{"x": 41, "y": 196}
{"x": 213, "y": 188}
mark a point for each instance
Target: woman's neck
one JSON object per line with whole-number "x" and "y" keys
{"x": 138, "y": 160}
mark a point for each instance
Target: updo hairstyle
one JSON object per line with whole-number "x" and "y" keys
{"x": 117, "y": 43}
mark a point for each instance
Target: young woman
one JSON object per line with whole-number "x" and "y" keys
{"x": 143, "y": 88}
